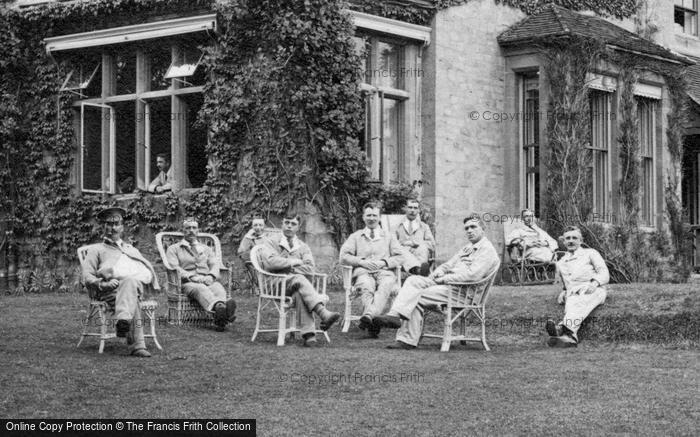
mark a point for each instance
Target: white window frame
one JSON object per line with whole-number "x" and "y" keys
{"x": 112, "y": 170}
{"x": 683, "y": 8}
{"x": 653, "y": 107}
{"x": 605, "y": 215}
{"x": 528, "y": 188}
{"x": 82, "y": 85}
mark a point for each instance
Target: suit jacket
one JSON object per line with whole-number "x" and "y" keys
{"x": 190, "y": 261}
{"x": 420, "y": 235}
{"x": 103, "y": 256}
{"x": 580, "y": 267}
{"x": 276, "y": 255}
{"x": 385, "y": 247}
{"x": 471, "y": 263}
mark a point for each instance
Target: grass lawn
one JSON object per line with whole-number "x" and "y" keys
{"x": 355, "y": 386}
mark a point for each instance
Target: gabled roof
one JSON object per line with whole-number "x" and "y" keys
{"x": 693, "y": 81}
{"x": 555, "y": 21}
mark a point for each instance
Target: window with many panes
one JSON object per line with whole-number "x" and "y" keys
{"x": 646, "y": 113}
{"x": 530, "y": 141}
{"x": 685, "y": 16}
{"x": 601, "y": 124}
{"x": 390, "y": 86}
{"x": 135, "y": 101}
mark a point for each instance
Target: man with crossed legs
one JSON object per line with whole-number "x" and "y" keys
{"x": 472, "y": 263}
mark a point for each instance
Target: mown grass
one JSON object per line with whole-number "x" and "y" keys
{"x": 354, "y": 386}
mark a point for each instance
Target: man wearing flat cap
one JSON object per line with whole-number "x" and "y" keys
{"x": 199, "y": 269}
{"x": 472, "y": 263}
{"x": 117, "y": 273}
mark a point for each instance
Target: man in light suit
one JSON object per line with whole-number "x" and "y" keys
{"x": 117, "y": 273}
{"x": 473, "y": 262}
{"x": 534, "y": 243}
{"x": 416, "y": 236}
{"x": 199, "y": 271}
{"x": 373, "y": 254}
{"x": 286, "y": 253}
{"x": 583, "y": 273}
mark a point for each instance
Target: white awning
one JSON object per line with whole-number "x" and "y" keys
{"x": 137, "y": 32}
{"x": 601, "y": 82}
{"x": 648, "y": 91}
{"x": 391, "y": 27}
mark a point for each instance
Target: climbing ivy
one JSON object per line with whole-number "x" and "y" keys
{"x": 631, "y": 253}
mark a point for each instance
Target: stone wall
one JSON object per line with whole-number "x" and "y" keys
{"x": 464, "y": 153}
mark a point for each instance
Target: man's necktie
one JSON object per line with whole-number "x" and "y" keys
{"x": 291, "y": 245}
{"x": 371, "y": 234}
{"x": 410, "y": 228}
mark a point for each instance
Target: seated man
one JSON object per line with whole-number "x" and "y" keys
{"x": 472, "y": 263}
{"x": 286, "y": 253}
{"x": 373, "y": 254}
{"x": 252, "y": 238}
{"x": 416, "y": 237}
{"x": 583, "y": 273}
{"x": 116, "y": 273}
{"x": 530, "y": 238}
{"x": 199, "y": 271}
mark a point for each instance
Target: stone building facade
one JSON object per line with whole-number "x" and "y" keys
{"x": 446, "y": 107}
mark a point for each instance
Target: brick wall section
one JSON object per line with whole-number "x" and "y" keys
{"x": 464, "y": 158}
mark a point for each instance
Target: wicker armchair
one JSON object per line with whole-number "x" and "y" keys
{"x": 181, "y": 309}
{"x": 273, "y": 292}
{"x": 98, "y": 310}
{"x": 465, "y": 298}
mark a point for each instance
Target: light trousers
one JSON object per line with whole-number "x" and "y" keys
{"x": 206, "y": 295}
{"x": 125, "y": 299}
{"x": 417, "y": 293}
{"x": 578, "y": 306}
{"x": 375, "y": 289}
{"x": 305, "y": 300}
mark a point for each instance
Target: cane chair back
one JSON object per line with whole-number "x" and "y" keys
{"x": 181, "y": 309}
{"x": 464, "y": 298}
{"x": 98, "y": 311}
{"x": 274, "y": 294}
{"x": 248, "y": 268}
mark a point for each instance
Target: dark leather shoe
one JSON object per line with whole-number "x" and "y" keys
{"x": 329, "y": 321}
{"x": 230, "y": 310}
{"x": 400, "y": 345}
{"x": 220, "y": 316}
{"x": 391, "y": 322}
{"x": 141, "y": 353}
{"x": 373, "y": 332}
{"x": 123, "y": 328}
{"x": 365, "y": 322}
{"x": 553, "y": 329}
{"x": 562, "y": 341}
{"x": 309, "y": 340}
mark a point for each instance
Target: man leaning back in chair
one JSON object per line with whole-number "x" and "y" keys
{"x": 472, "y": 263}
{"x": 534, "y": 243}
{"x": 199, "y": 269}
{"x": 117, "y": 273}
{"x": 286, "y": 253}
